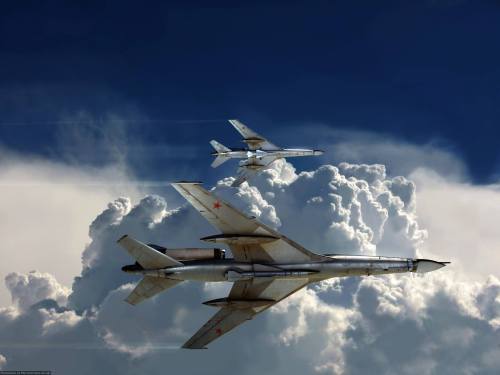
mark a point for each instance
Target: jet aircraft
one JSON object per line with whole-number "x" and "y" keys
{"x": 259, "y": 155}
{"x": 266, "y": 266}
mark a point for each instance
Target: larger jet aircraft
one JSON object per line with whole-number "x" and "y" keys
{"x": 258, "y": 156}
{"x": 266, "y": 266}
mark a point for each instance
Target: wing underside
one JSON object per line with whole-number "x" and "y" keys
{"x": 246, "y": 299}
{"x": 249, "y": 240}
{"x": 218, "y": 213}
{"x": 251, "y": 167}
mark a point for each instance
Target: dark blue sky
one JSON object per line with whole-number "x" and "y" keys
{"x": 414, "y": 71}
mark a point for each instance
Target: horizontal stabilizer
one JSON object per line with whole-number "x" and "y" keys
{"x": 146, "y": 256}
{"x": 148, "y": 287}
{"x": 219, "y": 160}
{"x": 219, "y": 147}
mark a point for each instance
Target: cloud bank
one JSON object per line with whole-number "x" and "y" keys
{"x": 45, "y": 210}
{"x": 400, "y": 157}
{"x": 442, "y": 323}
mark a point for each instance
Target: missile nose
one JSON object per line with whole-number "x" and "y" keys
{"x": 318, "y": 152}
{"x": 427, "y": 265}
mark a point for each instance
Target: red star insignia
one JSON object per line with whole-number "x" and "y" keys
{"x": 217, "y": 205}
{"x": 218, "y": 331}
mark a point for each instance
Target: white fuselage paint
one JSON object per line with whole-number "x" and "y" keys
{"x": 337, "y": 266}
{"x": 259, "y": 154}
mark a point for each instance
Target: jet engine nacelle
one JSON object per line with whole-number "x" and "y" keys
{"x": 191, "y": 253}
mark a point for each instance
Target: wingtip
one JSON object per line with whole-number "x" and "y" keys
{"x": 234, "y": 122}
{"x": 129, "y": 302}
{"x": 122, "y": 238}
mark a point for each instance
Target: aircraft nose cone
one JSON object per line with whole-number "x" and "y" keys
{"x": 318, "y": 152}
{"x": 426, "y": 265}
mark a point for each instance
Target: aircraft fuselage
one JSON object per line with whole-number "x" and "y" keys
{"x": 259, "y": 154}
{"x": 338, "y": 266}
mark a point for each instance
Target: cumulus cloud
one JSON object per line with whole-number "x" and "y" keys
{"x": 311, "y": 322}
{"x": 400, "y": 157}
{"x": 462, "y": 221}
{"x": 431, "y": 325}
{"x": 45, "y": 209}
{"x": 350, "y": 214}
{"x": 3, "y": 361}
{"x": 26, "y": 290}
{"x": 439, "y": 323}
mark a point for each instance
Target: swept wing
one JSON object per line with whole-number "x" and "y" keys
{"x": 248, "y": 239}
{"x": 252, "y": 139}
{"x": 251, "y": 166}
{"x": 246, "y": 299}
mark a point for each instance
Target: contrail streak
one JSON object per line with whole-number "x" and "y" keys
{"x": 84, "y": 346}
{"x": 104, "y": 120}
{"x": 86, "y": 183}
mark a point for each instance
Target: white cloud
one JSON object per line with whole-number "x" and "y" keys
{"x": 45, "y": 209}
{"x": 435, "y": 324}
{"x": 3, "y": 361}
{"x": 309, "y": 318}
{"x": 399, "y": 157}
{"x": 26, "y": 290}
{"x": 58, "y": 321}
{"x": 462, "y": 222}
{"x": 439, "y": 323}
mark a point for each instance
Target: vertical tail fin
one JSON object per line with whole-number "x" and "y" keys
{"x": 146, "y": 256}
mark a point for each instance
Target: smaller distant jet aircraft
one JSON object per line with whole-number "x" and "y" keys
{"x": 259, "y": 155}
{"x": 266, "y": 266}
